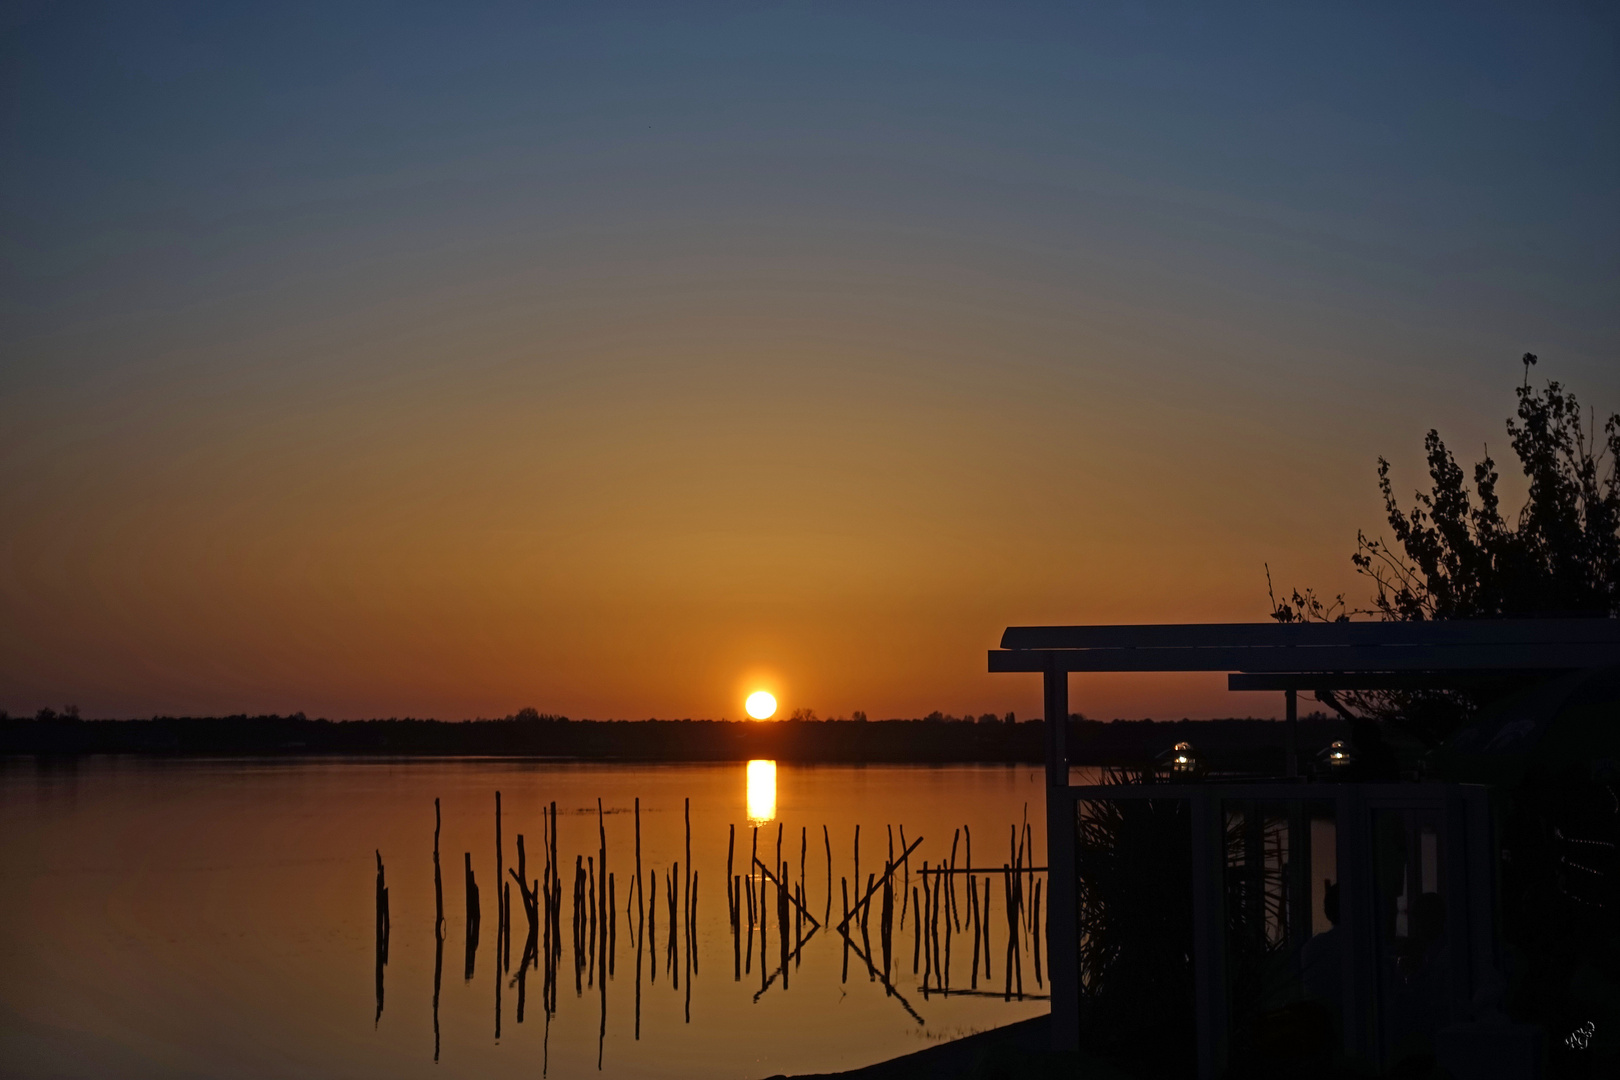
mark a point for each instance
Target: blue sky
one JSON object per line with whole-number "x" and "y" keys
{"x": 806, "y": 329}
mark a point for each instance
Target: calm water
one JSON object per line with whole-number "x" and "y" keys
{"x": 218, "y": 918}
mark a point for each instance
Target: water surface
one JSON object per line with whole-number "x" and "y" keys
{"x": 209, "y": 918}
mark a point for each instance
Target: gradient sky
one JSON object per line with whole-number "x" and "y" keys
{"x": 614, "y": 359}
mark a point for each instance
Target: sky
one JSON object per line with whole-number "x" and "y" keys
{"x": 616, "y": 360}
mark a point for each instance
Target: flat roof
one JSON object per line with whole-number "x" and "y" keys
{"x": 1319, "y": 654}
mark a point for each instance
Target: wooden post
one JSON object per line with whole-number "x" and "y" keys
{"x": 933, "y": 929}
{"x": 905, "y": 884}
{"x": 916, "y": 929}
{"x": 984, "y": 916}
{"x": 1063, "y": 938}
{"x": 1209, "y": 932}
{"x": 382, "y": 934}
{"x": 474, "y": 916}
{"x": 1012, "y": 932}
{"x": 1035, "y": 921}
{"x": 826, "y": 838}
{"x": 501, "y": 913}
{"x": 973, "y": 914}
{"x": 950, "y": 886}
{"x": 687, "y": 901}
{"x": 672, "y": 886}
{"x": 925, "y": 920}
{"x": 438, "y": 879}
{"x": 604, "y": 905}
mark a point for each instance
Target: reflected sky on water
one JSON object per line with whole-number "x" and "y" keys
{"x": 204, "y": 918}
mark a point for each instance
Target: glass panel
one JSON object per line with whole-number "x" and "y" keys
{"x": 1134, "y": 869}
{"x": 1413, "y": 975}
{"x": 1284, "y": 967}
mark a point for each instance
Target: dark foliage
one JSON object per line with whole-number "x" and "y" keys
{"x": 1454, "y": 555}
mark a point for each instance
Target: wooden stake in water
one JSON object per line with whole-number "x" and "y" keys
{"x": 934, "y": 920}
{"x": 382, "y": 934}
{"x": 671, "y": 887}
{"x": 905, "y": 883}
{"x": 925, "y": 920}
{"x": 501, "y": 915}
{"x": 984, "y": 916}
{"x": 857, "y": 874}
{"x": 603, "y": 909}
{"x": 826, "y": 838}
{"x": 916, "y": 929}
{"x": 1035, "y": 920}
{"x": 438, "y": 880}
{"x": 474, "y": 916}
{"x": 973, "y": 922}
{"x": 687, "y": 817}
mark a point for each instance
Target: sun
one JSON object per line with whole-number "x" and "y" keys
{"x": 760, "y": 705}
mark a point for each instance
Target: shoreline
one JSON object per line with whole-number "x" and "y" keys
{"x": 1236, "y": 744}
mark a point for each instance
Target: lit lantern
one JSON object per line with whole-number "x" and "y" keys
{"x": 1182, "y": 761}
{"x": 1337, "y": 756}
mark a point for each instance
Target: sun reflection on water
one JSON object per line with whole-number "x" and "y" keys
{"x": 761, "y": 791}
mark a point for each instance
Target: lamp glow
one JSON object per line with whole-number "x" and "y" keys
{"x": 761, "y": 791}
{"x": 760, "y": 705}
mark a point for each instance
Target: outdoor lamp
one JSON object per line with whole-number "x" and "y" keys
{"x": 1182, "y": 760}
{"x": 1336, "y": 756}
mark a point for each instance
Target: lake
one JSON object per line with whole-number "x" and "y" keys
{"x": 218, "y": 917}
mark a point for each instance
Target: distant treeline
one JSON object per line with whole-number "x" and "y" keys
{"x": 1234, "y": 744}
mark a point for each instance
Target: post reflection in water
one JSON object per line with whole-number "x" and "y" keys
{"x": 761, "y": 791}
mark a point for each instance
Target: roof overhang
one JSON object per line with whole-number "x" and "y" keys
{"x": 1340, "y": 656}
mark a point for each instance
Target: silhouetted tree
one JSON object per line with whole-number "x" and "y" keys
{"x": 1455, "y": 556}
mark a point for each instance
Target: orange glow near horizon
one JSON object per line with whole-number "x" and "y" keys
{"x": 761, "y": 791}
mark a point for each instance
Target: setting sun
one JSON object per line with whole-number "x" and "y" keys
{"x": 760, "y": 705}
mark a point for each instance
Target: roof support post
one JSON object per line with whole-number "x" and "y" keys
{"x": 1063, "y": 938}
{"x": 1292, "y": 697}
